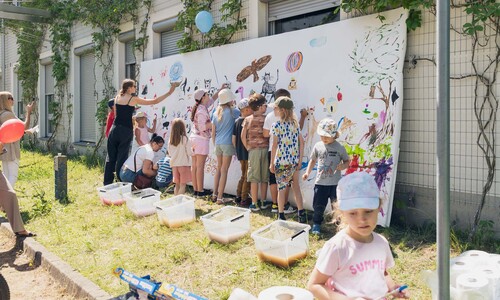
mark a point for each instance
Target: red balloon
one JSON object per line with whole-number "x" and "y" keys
{"x": 11, "y": 131}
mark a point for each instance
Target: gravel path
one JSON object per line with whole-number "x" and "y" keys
{"x": 25, "y": 280}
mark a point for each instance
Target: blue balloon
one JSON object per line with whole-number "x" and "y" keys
{"x": 204, "y": 21}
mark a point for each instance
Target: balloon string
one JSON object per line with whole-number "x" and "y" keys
{"x": 215, "y": 70}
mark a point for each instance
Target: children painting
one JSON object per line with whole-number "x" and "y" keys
{"x": 286, "y": 155}
{"x": 256, "y": 144}
{"x": 354, "y": 263}
{"x": 332, "y": 158}
{"x": 243, "y": 187}
{"x": 179, "y": 149}
{"x": 222, "y": 135}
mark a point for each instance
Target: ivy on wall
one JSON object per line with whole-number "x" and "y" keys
{"x": 218, "y": 35}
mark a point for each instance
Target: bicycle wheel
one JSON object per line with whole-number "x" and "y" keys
{"x": 4, "y": 289}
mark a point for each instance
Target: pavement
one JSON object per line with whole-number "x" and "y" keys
{"x": 73, "y": 282}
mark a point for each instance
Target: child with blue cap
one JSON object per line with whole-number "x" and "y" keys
{"x": 353, "y": 264}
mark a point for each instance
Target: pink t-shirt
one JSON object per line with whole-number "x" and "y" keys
{"x": 201, "y": 125}
{"x": 356, "y": 269}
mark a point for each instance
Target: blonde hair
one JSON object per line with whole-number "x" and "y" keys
{"x": 337, "y": 215}
{"x": 220, "y": 109}
{"x": 178, "y": 132}
{"x": 4, "y": 101}
{"x": 287, "y": 115}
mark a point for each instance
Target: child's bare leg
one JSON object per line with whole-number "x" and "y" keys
{"x": 263, "y": 191}
{"x": 217, "y": 174}
{"x": 182, "y": 188}
{"x": 176, "y": 189}
{"x": 226, "y": 162}
{"x": 296, "y": 191}
{"x": 281, "y": 201}
{"x": 254, "y": 191}
{"x": 200, "y": 172}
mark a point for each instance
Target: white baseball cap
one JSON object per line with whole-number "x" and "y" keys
{"x": 358, "y": 191}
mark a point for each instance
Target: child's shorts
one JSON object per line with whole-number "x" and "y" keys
{"x": 181, "y": 174}
{"x": 284, "y": 175}
{"x": 258, "y": 166}
{"x": 200, "y": 145}
{"x": 224, "y": 150}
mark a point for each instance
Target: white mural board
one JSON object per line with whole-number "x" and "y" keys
{"x": 350, "y": 71}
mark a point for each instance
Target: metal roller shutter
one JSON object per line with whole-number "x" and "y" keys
{"x": 87, "y": 99}
{"x": 169, "y": 42}
{"x": 129, "y": 53}
{"x": 282, "y": 9}
{"x": 49, "y": 80}
{"x": 49, "y": 96}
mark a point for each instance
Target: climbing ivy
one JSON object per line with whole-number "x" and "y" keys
{"x": 414, "y": 8}
{"x": 219, "y": 34}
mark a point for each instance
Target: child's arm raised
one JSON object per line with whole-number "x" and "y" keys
{"x": 153, "y": 128}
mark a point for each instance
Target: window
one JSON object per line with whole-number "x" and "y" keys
{"x": 169, "y": 42}
{"x": 87, "y": 98}
{"x": 49, "y": 101}
{"x": 286, "y": 16}
{"x": 129, "y": 60}
{"x": 18, "y": 97}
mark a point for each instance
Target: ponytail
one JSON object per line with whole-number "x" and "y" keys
{"x": 195, "y": 108}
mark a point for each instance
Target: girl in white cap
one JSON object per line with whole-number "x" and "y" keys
{"x": 222, "y": 136}
{"x": 354, "y": 263}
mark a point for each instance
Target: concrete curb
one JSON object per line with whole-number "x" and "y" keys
{"x": 72, "y": 281}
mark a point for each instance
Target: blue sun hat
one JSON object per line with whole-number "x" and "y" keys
{"x": 358, "y": 191}
{"x": 327, "y": 127}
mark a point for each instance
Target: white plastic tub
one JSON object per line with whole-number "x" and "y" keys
{"x": 112, "y": 194}
{"x": 176, "y": 211}
{"x": 141, "y": 202}
{"x": 282, "y": 243}
{"x": 227, "y": 224}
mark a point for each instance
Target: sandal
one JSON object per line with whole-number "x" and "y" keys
{"x": 214, "y": 198}
{"x": 25, "y": 234}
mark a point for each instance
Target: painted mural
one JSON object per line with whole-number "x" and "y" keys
{"x": 350, "y": 71}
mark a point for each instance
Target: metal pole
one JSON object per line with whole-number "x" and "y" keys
{"x": 61, "y": 177}
{"x": 443, "y": 147}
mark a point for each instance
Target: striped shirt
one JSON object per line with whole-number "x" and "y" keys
{"x": 164, "y": 170}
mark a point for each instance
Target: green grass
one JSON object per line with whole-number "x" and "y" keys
{"x": 94, "y": 239}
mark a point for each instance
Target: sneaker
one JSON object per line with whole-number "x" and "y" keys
{"x": 195, "y": 193}
{"x": 274, "y": 208}
{"x": 205, "y": 193}
{"x": 266, "y": 204}
{"x": 245, "y": 203}
{"x": 224, "y": 200}
{"x": 253, "y": 207}
{"x": 281, "y": 217}
{"x": 302, "y": 218}
{"x": 238, "y": 200}
{"x": 289, "y": 209}
{"x": 213, "y": 198}
{"x": 316, "y": 229}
